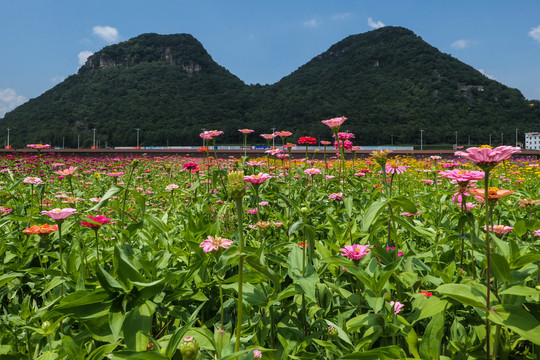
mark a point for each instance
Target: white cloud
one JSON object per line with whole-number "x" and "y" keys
{"x": 535, "y": 33}
{"x": 461, "y": 44}
{"x": 487, "y": 75}
{"x": 312, "y": 23}
{"x": 9, "y": 100}
{"x": 375, "y": 24}
{"x": 341, "y": 16}
{"x": 83, "y": 56}
{"x": 107, "y": 33}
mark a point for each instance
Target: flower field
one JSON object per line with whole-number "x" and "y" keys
{"x": 274, "y": 258}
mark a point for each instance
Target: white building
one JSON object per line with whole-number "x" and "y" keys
{"x": 532, "y": 141}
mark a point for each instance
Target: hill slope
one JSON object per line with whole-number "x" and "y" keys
{"x": 388, "y": 82}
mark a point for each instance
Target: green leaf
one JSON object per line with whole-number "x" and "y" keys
{"x": 126, "y": 271}
{"x": 520, "y": 228}
{"x": 5, "y": 278}
{"x": 431, "y": 341}
{"x": 108, "y": 283}
{"x": 500, "y": 268}
{"x": 157, "y": 224}
{"x": 84, "y": 304}
{"x": 518, "y": 320}
{"x": 404, "y": 203}
{"x": 71, "y": 348}
{"x": 114, "y": 190}
{"x": 520, "y": 290}
{"x": 524, "y": 260}
{"x": 382, "y": 353}
{"x": 101, "y": 352}
{"x": 137, "y": 322}
{"x": 135, "y": 355}
{"x": 176, "y": 338}
{"x": 296, "y": 226}
{"x": 341, "y": 334}
{"x": 371, "y": 214}
{"x": 432, "y": 306}
{"x": 465, "y": 294}
{"x": 348, "y": 202}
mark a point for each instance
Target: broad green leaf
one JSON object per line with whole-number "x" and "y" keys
{"x": 372, "y": 213}
{"x": 296, "y": 226}
{"x": 430, "y": 346}
{"x": 126, "y": 271}
{"x": 432, "y": 306}
{"x": 135, "y": 355}
{"x": 520, "y": 290}
{"x": 101, "y": 352}
{"x": 137, "y": 322}
{"x": 84, "y": 304}
{"x": 518, "y": 320}
{"x": 500, "y": 268}
{"x": 465, "y": 294}
{"x": 5, "y": 278}
{"x": 108, "y": 283}
{"x": 524, "y": 260}
{"x": 404, "y": 203}
{"x": 114, "y": 190}
{"x": 341, "y": 334}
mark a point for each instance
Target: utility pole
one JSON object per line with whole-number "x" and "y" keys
{"x": 516, "y": 137}
{"x": 138, "y": 137}
{"x": 7, "y": 145}
{"x": 421, "y": 140}
{"x": 489, "y": 139}
{"x": 273, "y": 131}
{"x": 456, "y": 139}
{"x": 94, "y": 146}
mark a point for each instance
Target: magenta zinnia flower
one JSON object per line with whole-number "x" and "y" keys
{"x": 98, "y": 221}
{"x": 213, "y": 243}
{"x": 487, "y": 155}
{"x": 334, "y": 123}
{"x": 59, "y": 214}
{"x": 355, "y": 252}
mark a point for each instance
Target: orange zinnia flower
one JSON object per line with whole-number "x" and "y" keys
{"x": 493, "y": 193}
{"x": 41, "y": 229}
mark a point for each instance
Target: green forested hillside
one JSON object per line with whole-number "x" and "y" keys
{"x": 388, "y": 82}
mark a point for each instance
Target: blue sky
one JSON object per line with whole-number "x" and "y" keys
{"x": 44, "y": 41}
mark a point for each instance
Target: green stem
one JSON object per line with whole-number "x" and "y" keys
{"x": 488, "y": 258}
{"x": 125, "y": 194}
{"x": 240, "y": 215}
{"x": 61, "y": 258}
{"x": 97, "y": 246}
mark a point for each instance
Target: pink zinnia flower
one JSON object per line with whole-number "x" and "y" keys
{"x": 257, "y": 354}
{"x": 205, "y": 136}
{"x": 246, "y": 131}
{"x": 268, "y": 136}
{"x": 462, "y": 176}
{"x": 312, "y": 171}
{"x": 213, "y": 243}
{"x": 39, "y": 146}
{"x": 171, "y": 187}
{"x": 394, "y": 168}
{"x": 214, "y": 133}
{"x": 500, "y": 229}
{"x": 252, "y": 211}
{"x": 397, "y": 306}
{"x": 257, "y": 179}
{"x": 335, "y": 196}
{"x": 487, "y": 155}
{"x": 426, "y": 293}
{"x": 97, "y": 221}
{"x": 334, "y": 123}
{"x": 283, "y": 134}
{"x": 32, "y": 180}
{"x": 325, "y": 143}
{"x": 59, "y": 214}
{"x": 66, "y": 172}
{"x": 355, "y": 252}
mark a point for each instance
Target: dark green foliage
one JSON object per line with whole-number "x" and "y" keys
{"x": 388, "y": 82}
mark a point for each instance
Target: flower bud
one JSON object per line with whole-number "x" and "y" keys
{"x": 332, "y": 331}
{"x": 538, "y": 287}
{"x": 135, "y": 163}
{"x": 189, "y": 348}
{"x": 237, "y": 186}
{"x": 45, "y": 326}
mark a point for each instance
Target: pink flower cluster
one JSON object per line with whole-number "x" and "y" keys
{"x": 355, "y": 252}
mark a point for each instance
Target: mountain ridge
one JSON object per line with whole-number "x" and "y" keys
{"x": 389, "y": 82}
